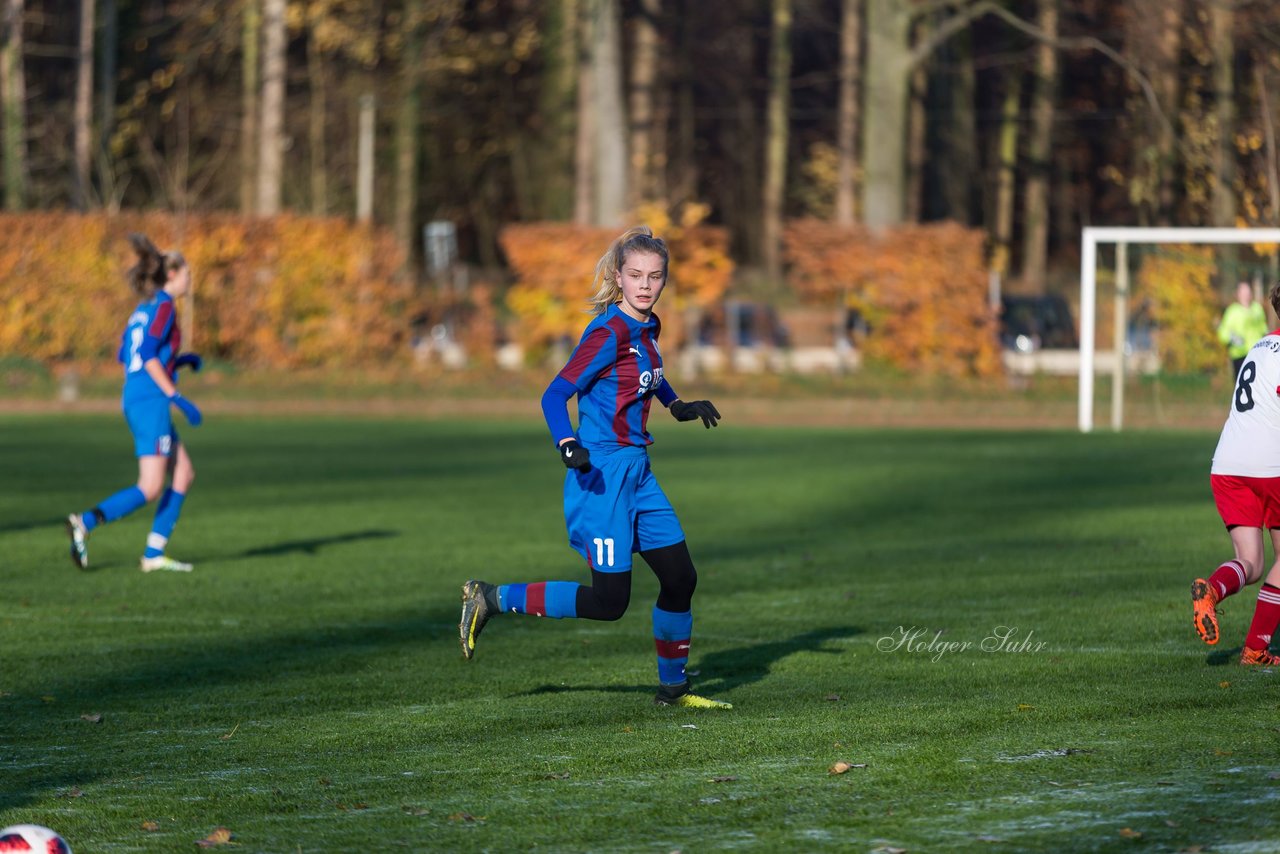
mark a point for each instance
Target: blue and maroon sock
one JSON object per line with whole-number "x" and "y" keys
{"x": 671, "y": 633}
{"x": 556, "y": 599}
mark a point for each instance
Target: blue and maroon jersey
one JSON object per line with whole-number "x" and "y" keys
{"x": 152, "y": 333}
{"x": 617, "y": 369}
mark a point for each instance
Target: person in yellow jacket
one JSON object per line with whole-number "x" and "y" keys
{"x": 1243, "y": 323}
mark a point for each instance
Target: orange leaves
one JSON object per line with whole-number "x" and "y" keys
{"x": 554, "y": 265}
{"x": 286, "y": 292}
{"x": 219, "y": 836}
{"x": 921, "y": 288}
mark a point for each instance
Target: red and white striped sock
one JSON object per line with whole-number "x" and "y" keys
{"x": 1228, "y": 579}
{"x": 1265, "y": 617}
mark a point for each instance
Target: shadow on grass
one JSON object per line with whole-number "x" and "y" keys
{"x": 313, "y": 546}
{"x": 730, "y": 668}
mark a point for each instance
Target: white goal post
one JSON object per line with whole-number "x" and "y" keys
{"x": 1122, "y": 237}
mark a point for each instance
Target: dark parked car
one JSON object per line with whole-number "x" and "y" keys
{"x": 1034, "y": 323}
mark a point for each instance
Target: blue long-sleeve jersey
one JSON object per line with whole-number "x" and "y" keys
{"x": 151, "y": 333}
{"x": 615, "y": 370}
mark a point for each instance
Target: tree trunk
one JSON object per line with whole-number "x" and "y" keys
{"x": 1222, "y": 25}
{"x": 83, "y": 110}
{"x": 584, "y": 150}
{"x": 884, "y": 140}
{"x": 958, "y": 160}
{"x": 776, "y": 137}
{"x": 684, "y": 174}
{"x": 13, "y": 93}
{"x": 643, "y": 83}
{"x": 847, "y": 110}
{"x": 107, "y": 102}
{"x": 1007, "y": 162}
{"x": 251, "y": 34}
{"x": 1035, "y": 235}
{"x": 1168, "y": 93}
{"x": 917, "y": 127}
{"x": 408, "y": 130}
{"x": 271, "y": 147}
{"x": 317, "y": 108}
{"x": 556, "y": 97}
{"x": 611, "y": 121}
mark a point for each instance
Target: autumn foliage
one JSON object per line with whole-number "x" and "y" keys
{"x": 554, "y": 264}
{"x": 1177, "y": 284}
{"x": 284, "y": 292}
{"x": 921, "y": 288}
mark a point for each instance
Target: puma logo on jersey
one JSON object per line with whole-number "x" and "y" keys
{"x": 635, "y": 350}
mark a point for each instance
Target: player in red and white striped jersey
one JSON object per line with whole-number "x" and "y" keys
{"x": 1246, "y": 488}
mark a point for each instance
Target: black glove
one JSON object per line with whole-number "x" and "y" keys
{"x": 575, "y": 456}
{"x": 189, "y": 360}
{"x": 692, "y": 411}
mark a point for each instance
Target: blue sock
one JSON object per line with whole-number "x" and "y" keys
{"x": 167, "y": 512}
{"x": 671, "y": 633}
{"x": 555, "y": 599}
{"x": 121, "y": 504}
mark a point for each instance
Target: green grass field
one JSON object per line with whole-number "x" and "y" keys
{"x": 304, "y": 689}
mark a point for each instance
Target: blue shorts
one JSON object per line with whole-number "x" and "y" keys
{"x": 152, "y": 425}
{"x": 615, "y": 508}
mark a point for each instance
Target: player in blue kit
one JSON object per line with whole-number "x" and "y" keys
{"x": 149, "y": 350}
{"x": 613, "y": 506}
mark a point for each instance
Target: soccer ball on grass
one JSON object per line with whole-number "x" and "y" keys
{"x": 32, "y": 837}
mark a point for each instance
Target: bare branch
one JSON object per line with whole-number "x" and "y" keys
{"x": 967, "y": 16}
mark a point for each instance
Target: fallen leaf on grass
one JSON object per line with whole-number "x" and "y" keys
{"x": 412, "y": 810}
{"x": 1026, "y": 707}
{"x": 151, "y": 826}
{"x": 1130, "y": 833}
{"x": 888, "y": 849}
{"x": 688, "y": 726}
{"x": 563, "y": 775}
{"x": 1168, "y": 822}
{"x": 93, "y": 717}
{"x": 833, "y": 698}
{"x": 227, "y": 737}
{"x": 220, "y": 836}
{"x": 842, "y": 766}
{"x": 71, "y": 793}
{"x": 1191, "y": 849}
{"x": 995, "y": 840}
{"x": 1224, "y": 753}
{"x": 466, "y": 817}
{"x": 724, "y": 779}
{"x": 1224, "y": 684}
{"x": 1274, "y": 775}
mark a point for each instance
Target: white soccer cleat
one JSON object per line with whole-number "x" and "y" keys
{"x": 79, "y": 541}
{"x": 165, "y": 563}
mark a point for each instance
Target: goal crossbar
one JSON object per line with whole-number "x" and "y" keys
{"x": 1092, "y": 236}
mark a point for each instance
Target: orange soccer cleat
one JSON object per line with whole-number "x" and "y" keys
{"x": 1204, "y": 611}
{"x": 1259, "y": 658}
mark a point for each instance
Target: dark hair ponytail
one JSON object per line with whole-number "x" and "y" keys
{"x": 148, "y": 275}
{"x": 151, "y": 273}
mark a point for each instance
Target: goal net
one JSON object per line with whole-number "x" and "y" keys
{"x": 1127, "y": 244}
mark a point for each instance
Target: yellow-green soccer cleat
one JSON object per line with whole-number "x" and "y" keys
{"x": 164, "y": 563}
{"x": 680, "y": 695}
{"x": 79, "y": 541}
{"x": 479, "y": 603}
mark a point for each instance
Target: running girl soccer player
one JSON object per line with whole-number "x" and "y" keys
{"x": 149, "y": 351}
{"x": 1246, "y": 487}
{"x": 613, "y": 505}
